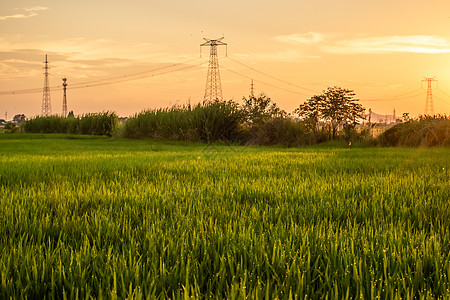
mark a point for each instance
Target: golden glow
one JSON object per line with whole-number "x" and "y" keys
{"x": 378, "y": 48}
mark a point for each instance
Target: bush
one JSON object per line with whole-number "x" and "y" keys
{"x": 12, "y": 128}
{"x": 281, "y": 130}
{"x": 426, "y": 131}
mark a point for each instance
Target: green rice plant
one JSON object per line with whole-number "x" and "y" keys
{"x": 92, "y": 217}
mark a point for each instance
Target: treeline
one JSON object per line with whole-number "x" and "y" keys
{"x": 91, "y": 124}
{"x": 258, "y": 121}
{"x": 333, "y": 115}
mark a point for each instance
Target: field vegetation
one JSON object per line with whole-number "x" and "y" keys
{"x": 98, "y": 217}
{"x": 202, "y": 122}
{"x": 424, "y": 131}
{"x": 334, "y": 115}
{"x": 92, "y": 124}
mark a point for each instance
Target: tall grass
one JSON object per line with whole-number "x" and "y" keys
{"x": 144, "y": 219}
{"x": 208, "y": 122}
{"x": 92, "y": 124}
{"x": 424, "y": 131}
{"x": 277, "y": 131}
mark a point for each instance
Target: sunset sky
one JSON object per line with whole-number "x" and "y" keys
{"x": 128, "y": 52}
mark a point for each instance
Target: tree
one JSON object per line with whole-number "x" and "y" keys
{"x": 336, "y": 106}
{"x": 260, "y": 109}
{"x": 310, "y": 112}
{"x": 19, "y": 119}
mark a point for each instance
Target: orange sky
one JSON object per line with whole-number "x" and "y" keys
{"x": 380, "y": 49}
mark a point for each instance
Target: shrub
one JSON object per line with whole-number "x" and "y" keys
{"x": 425, "y": 131}
{"x": 281, "y": 130}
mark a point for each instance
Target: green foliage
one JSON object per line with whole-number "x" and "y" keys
{"x": 11, "y": 127}
{"x": 260, "y": 109}
{"x": 278, "y": 131}
{"x": 424, "y": 131}
{"x": 207, "y": 122}
{"x": 92, "y": 124}
{"x": 101, "y": 218}
{"x": 336, "y": 106}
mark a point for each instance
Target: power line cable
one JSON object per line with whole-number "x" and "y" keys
{"x": 439, "y": 89}
{"x": 135, "y": 74}
{"x": 135, "y": 78}
{"x": 107, "y": 81}
{"x": 440, "y": 99}
{"x": 271, "y": 76}
{"x": 398, "y": 97}
{"x": 265, "y": 83}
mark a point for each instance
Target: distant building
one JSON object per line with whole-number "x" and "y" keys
{"x": 379, "y": 118}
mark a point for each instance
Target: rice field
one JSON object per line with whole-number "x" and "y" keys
{"x": 95, "y": 217}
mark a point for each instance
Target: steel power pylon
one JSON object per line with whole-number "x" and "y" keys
{"x": 429, "y": 107}
{"x": 213, "y": 89}
{"x": 64, "y": 107}
{"x": 46, "y": 105}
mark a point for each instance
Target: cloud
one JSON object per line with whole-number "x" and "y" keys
{"x": 301, "y": 38}
{"x": 30, "y": 12}
{"x": 390, "y": 44}
{"x": 279, "y": 56}
{"x": 369, "y": 45}
{"x": 35, "y": 8}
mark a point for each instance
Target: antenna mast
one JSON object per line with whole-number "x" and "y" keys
{"x": 64, "y": 107}
{"x": 46, "y": 105}
{"x": 213, "y": 89}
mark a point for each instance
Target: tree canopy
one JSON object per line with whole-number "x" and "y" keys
{"x": 335, "y": 106}
{"x": 258, "y": 109}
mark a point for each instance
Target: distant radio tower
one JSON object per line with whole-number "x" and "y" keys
{"x": 64, "y": 108}
{"x": 429, "y": 108}
{"x": 46, "y": 105}
{"x": 213, "y": 90}
{"x": 252, "y": 92}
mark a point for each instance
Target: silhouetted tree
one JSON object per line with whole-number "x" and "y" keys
{"x": 19, "y": 119}
{"x": 336, "y": 106}
{"x": 260, "y": 109}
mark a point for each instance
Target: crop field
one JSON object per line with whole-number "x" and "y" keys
{"x": 98, "y": 217}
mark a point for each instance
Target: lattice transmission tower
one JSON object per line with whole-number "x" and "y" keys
{"x": 429, "y": 107}
{"x": 46, "y": 105}
{"x": 64, "y": 107}
{"x": 213, "y": 89}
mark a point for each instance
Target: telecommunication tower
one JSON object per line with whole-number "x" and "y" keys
{"x": 252, "y": 90}
{"x": 64, "y": 107}
{"x": 429, "y": 108}
{"x": 213, "y": 89}
{"x": 46, "y": 105}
